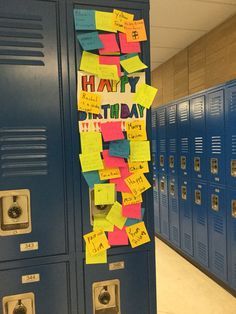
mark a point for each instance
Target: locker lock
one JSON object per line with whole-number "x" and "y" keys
{"x": 233, "y": 208}
{"x": 20, "y": 308}
{"x": 197, "y": 164}
{"x": 19, "y": 304}
{"x": 184, "y": 192}
{"x": 214, "y": 166}
{"x": 198, "y": 197}
{"x": 215, "y": 202}
{"x": 183, "y": 162}
{"x": 171, "y": 161}
{"x": 162, "y": 186}
{"x": 15, "y": 211}
{"x": 233, "y": 168}
{"x": 161, "y": 160}
{"x": 172, "y": 188}
{"x": 104, "y": 296}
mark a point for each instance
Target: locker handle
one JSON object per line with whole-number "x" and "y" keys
{"x": 171, "y": 161}
{"x": 161, "y": 160}
{"x": 215, "y": 202}
{"x": 214, "y": 166}
{"x": 172, "y": 188}
{"x": 162, "y": 186}
{"x": 198, "y": 197}
{"x": 233, "y": 167}
{"x": 197, "y": 164}
{"x": 233, "y": 208}
{"x": 184, "y": 192}
{"x": 183, "y": 162}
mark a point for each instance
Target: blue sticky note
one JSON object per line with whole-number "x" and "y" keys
{"x": 119, "y": 148}
{"x": 130, "y": 221}
{"x": 92, "y": 177}
{"x": 84, "y": 19}
{"x": 90, "y": 41}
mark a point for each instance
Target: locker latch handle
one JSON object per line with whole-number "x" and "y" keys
{"x": 171, "y": 161}
{"x": 184, "y": 192}
{"x": 214, "y": 166}
{"x": 197, "y": 164}
{"x": 233, "y": 208}
{"x": 233, "y": 167}
{"x": 161, "y": 160}
{"x": 162, "y": 186}
{"x": 172, "y": 188}
{"x": 198, "y": 197}
{"x": 183, "y": 162}
{"x": 215, "y": 202}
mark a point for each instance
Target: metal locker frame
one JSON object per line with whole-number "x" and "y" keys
{"x": 174, "y": 222}
{"x": 171, "y": 137}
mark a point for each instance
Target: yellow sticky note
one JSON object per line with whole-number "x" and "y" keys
{"x": 101, "y": 223}
{"x": 89, "y": 62}
{"x": 91, "y": 162}
{"x": 104, "y": 194}
{"x": 91, "y": 142}
{"x": 137, "y": 183}
{"x": 136, "y": 130}
{"x": 108, "y": 72}
{"x": 138, "y": 234}
{"x": 138, "y": 166}
{"x": 140, "y": 151}
{"x": 145, "y": 95}
{"x": 89, "y": 102}
{"x": 130, "y": 199}
{"x": 96, "y": 242}
{"x": 133, "y": 64}
{"x": 135, "y": 31}
{"x": 104, "y": 21}
{"x": 109, "y": 173}
{"x": 115, "y": 216}
{"x": 100, "y": 258}
{"x": 120, "y": 18}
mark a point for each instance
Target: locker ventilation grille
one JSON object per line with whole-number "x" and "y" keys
{"x": 154, "y": 146}
{"x": 183, "y": 109}
{"x": 198, "y": 109}
{"x": 163, "y": 146}
{"x": 154, "y": 119}
{"x": 187, "y": 242}
{"x": 172, "y": 115}
{"x": 187, "y": 213}
{"x": 201, "y": 219}
{"x": 198, "y": 145}
{"x": 218, "y": 225}
{"x": 184, "y": 145}
{"x": 174, "y": 206}
{"x": 21, "y": 40}
{"x": 216, "y": 145}
{"x": 173, "y": 145}
{"x": 175, "y": 234}
{"x": 216, "y": 106}
{"x": 163, "y": 201}
{"x": 23, "y": 152}
{"x": 233, "y": 101}
{"x": 202, "y": 252}
{"x": 155, "y": 196}
{"x": 161, "y": 118}
{"x": 219, "y": 262}
{"x": 233, "y": 144}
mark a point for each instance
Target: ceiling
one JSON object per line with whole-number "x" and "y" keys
{"x": 175, "y": 24}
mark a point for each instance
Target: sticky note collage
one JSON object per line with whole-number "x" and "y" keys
{"x": 115, "y": 153}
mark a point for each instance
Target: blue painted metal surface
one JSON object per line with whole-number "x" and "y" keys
{"x": 171, "y": 136}
{"x": 174, "y": 210}
{"x": 164, "y": 207}
{"x": 161, "y": 140}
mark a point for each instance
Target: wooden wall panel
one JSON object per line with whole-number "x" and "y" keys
{"x": 181, "y": 79}
{"x": 168, "y": 81}
{"x": 157, "y": 81}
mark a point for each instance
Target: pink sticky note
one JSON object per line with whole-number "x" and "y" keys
{"x": 111, "y": 61}
{"x": 133, "y": 211}
{"x": 128, "y": 47}
{"x": 118, "y": 237}
{"x": 110, "y": 45}
{"x": 112, "y": 162}
{"x": 111, "y": 131}
{"x": 121, "y": 186}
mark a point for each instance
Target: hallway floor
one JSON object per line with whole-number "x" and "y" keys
{"x": 183, "y": 289}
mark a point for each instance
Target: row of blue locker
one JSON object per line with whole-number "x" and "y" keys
{"x": 196, "y": 136}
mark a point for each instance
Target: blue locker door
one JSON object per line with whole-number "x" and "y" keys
{"x": 215, "y": 126}
{"x": 184, "y": 161}
{"x": 171, "y": 135}
{"x": 231, "y": 136}
{"x": 217, "y": 214}
{"x": 198, "y": 138}
{"x": 200, "y": 222}
{"x": 231, "y": 240}
{"x": 33, "y": 132}
{"x": 161, "y": 140}
{"x": 164, "y": 209}
{"x": 156, "y": 204}
{"x": 174, "y": 210}
{"x": 186, "y": 216}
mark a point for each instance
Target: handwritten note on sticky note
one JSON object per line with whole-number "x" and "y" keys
{"x": 135, "y": 31}
{"x": 112, "y": 162}
{"x": 132, "y": 211}
{"x": 136, "y": 130}
{"x": 129, "y": 199}
{"x": 101, "y": 223}
{"x": 92, "y": 177}
{"x": 110, "y": 45}
{"x": 91, "y": 142}
{"x": 138, "y": 166}
{"x": 119, "y": 148}
{"x": 104, "y": 21}
{"x": 84, "y": 19}
{"x": 100, "y": 258}
{"x": 133, "y": 64}
{"x": 137, "y": 183}
{"x": 131, "y": 221}
{"x": 115, "y": 216}
{"x": 89, "y": 102}
{"x": 104, "y": 194}
{"x": 91, "y": 162}
{"x": 128, "y": 47}
{"x": 121, "y": 186}
{"x": 108, "y": 72}
{"x": 111, "y": 60}
{"x": 120, "y": 18}
{"x": 109, "y": 173}
{"x": 138, "y": 234}
{"x": 96, "y": 242}
{"x": 118, "y": 237}
{"x": 89, "y": 62}
{"x": 145, "y": 95}
{"x": 90, "y": 41}
{"x": 140, "y": 151}
{"x": 111, "y": 131}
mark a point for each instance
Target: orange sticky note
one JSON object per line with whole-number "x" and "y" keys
{"x": 129, "y": 199}
{"x": 138, "y": 166}
{"x": 89, "y": 102}
{"x": 135, "y": 31}
{"x": 137, "y": 183}
{"x": 109, "y": 173}
{"x": 137, "y": 234}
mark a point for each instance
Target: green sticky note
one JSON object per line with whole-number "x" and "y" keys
{"x": 90, "y": 41}
{"x": 119, "y": 148}
{"x": 84, "y": 19}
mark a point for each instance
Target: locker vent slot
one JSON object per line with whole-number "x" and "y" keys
{"x": 216, "y": 104}
{"x": 21, "y": 40}
{"x": 155, "y": 195}
{"x": 233, "y": 144}
{"x": 172, "y": 144}
{"x": 216, "y": 145}
{"x": 198, "y": 145}
{"x": 161, "y": 118}
{"x": 174, "y": 207}
{"x": 175, "y": 234}
{"x": 172, "y": 115}
{"x": 164, "y": 201}
{"x": 183, "y": 108}
{"x": 165, "y": 227}
{"x": 202, "y": 251}
{"x": 23, "y": 152}
{"x": 184, "y": 145}
{"x": 187, "y": 213}
{"x": 218, "y": 225}
{"x": 154, "y": 119}
{"x": 233, "y": 101}
{"x": 187, "y": 241}
{"x": 201, "y": 219}
{"x": 198, "y": 109}
{"x": 219, "y": 262}
{"x": 163, "y": 146}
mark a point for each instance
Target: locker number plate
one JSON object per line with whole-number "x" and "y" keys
{"x": 116, "y": 266}
{"x": 30, "y": 278}
{"x": 31, "y": 246}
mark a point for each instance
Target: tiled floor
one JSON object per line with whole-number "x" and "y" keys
{"x": 183, "y": 289}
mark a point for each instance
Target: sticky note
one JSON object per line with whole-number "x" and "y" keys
{"x": 137, "y": 183}
{"x": 137, "y": 234}
{"x": 133, "y": 64}
{"x": 89, "y": 102}
{"x": 92, "y": 177}
{"x": 91, "y": 142}
{"x": 138, "y": 166}
{"x": 118, "y": 237}
{"x": 128, "y": 47}
{"x": 140, "y": 151}
{"x": 112, "y": 162}
{"x": 110, "y": 45}
{"x": 131, "y": 221}
{"x": 100, "y": 258}
{"x": 101, "y": 223}
{"x": 109, "y": 173}
{"x": 108, "y": 72}
{"x": 104, "y": 21}
{"x": 104, "y": 194}
{"x": 136, "y": 130}
{"x": 132, "y": 211}
{"x": 120, "y": 148}
{"x": 129, "y": 199}
{"x": 96, "y": 242}
{"x": 120, "y": 18}
{"x": 89, "y": 62}
{"x": 145, "y": 95}
{"x": 115, "y": 216}
{"x": 91, "y": 161}
{"x": 90, "y": 41}
{"x": 135, "y": 31}
{"x": 111, "y": 60}
{"x": 111, "y": 131}
{"x": 120, "y": 183}
{"x": 84, "y": 19}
